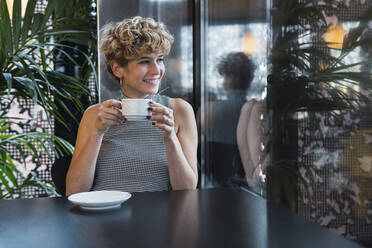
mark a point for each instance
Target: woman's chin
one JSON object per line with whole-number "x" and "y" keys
{"x": 153, "y": 91}
{"x": 150, "y": 89}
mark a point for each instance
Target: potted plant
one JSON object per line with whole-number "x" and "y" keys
{"x": 28, "y": 61}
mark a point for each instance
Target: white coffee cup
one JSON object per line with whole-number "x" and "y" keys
{"x": 135, "y": 109}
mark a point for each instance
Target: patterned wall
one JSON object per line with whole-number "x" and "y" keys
{"x": 339, "y": 180}
{"x": 339, "y": 158}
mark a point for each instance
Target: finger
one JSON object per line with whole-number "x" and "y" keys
{"x": 162, "y": 119}
{"x": 156, "y": 106}
{"x": 111, "y": 111}
{"x": 163, "y": 127}
{"x": 161, "y": 109}
{"x": 108, "y": 117}
{"x": 112, "y": 103}
{"x": 115, "y": 112}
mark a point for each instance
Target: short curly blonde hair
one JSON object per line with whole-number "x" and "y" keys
{"x": 132, "y": 38}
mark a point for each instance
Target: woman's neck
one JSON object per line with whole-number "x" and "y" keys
{"x": 124, "y": 95}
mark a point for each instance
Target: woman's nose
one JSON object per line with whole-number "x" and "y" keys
{"x": 155, "y": 68}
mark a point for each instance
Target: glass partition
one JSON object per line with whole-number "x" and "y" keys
{"x": 236, "y": 37}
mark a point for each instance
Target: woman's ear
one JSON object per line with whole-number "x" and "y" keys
{"x": 116, "y": 69}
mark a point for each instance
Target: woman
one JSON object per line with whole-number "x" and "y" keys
{"x": 111, "y": 153}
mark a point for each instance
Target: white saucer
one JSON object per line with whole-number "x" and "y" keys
{"x": 99, "y": 200}
{"x": 100, "y": 208}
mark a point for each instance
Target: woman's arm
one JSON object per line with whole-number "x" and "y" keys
{"x": 181, "y": 140}
{"x": 249, "y": 135}
{"x": 254, "y": 134}
{"x": 242, "y": 140}
{"x": 93, "y": 125}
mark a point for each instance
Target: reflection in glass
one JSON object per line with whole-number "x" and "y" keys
{"x": 184, "y": 227}
{"x": 226, "y": 164}
{"x": 237, "y": 37}
{"x": 222, "y": 115}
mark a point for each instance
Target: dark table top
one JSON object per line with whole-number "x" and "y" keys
{"x": 195, "y": 218}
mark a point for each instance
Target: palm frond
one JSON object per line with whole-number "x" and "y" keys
{"x": 28, "y": 57}
{"x": 33, "y": 144}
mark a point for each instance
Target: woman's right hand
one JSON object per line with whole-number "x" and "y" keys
{"x": 109, "y": 113}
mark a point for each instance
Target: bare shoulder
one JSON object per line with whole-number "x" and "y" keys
{"x": 183, "y": 114}
{"x": 181, "y": 107}
{"x": 91, "y": 109}
{"x": 85, "y": 127}
{"x": 259, "y": 105}
{"x": 89, "y": 114}
{"x": 254, "y": 104}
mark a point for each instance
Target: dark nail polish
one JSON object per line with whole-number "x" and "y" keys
{"x": 153, "y": 123}
{"x": 148, "y": 117}
{"x": 149, "y": 109}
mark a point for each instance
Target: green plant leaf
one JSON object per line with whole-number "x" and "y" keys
{"x": 4, "y": 182}
{"x": 29, "y": 85}
{"x": 36, "y": 23}
{"x": 29, "y": 14}
{"x": 49, "y": 11}
{"x": 5, "y": 28}
{"x": 8, "y": 168}
{"x": 16, "y": 21}
{"x": 8, "y": 79}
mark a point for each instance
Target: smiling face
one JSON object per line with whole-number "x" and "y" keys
{"x": 141, "y": 75}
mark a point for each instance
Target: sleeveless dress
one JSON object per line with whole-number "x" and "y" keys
{"x": 132, "y": 157}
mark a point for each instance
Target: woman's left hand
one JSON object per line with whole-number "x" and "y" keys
{"x": 162, "y": 118}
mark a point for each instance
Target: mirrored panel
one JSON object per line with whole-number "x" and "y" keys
{"x": 236, "y": 38}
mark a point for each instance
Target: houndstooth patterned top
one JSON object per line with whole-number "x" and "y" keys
{"x": 132, "y": 157}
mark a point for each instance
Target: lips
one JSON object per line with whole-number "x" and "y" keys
{"x": 152, "y": 81}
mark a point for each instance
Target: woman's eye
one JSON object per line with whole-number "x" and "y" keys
{"x": 144, "y": 62}
{"x": 160, "y": 59}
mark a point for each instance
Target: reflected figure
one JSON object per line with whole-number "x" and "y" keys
{"x": 184, "y": 225}
{"x": 223, "y": 160}
{"x": 249, "y": 134}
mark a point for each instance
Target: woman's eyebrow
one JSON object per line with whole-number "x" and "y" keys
{"x": 148, "y": 57}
